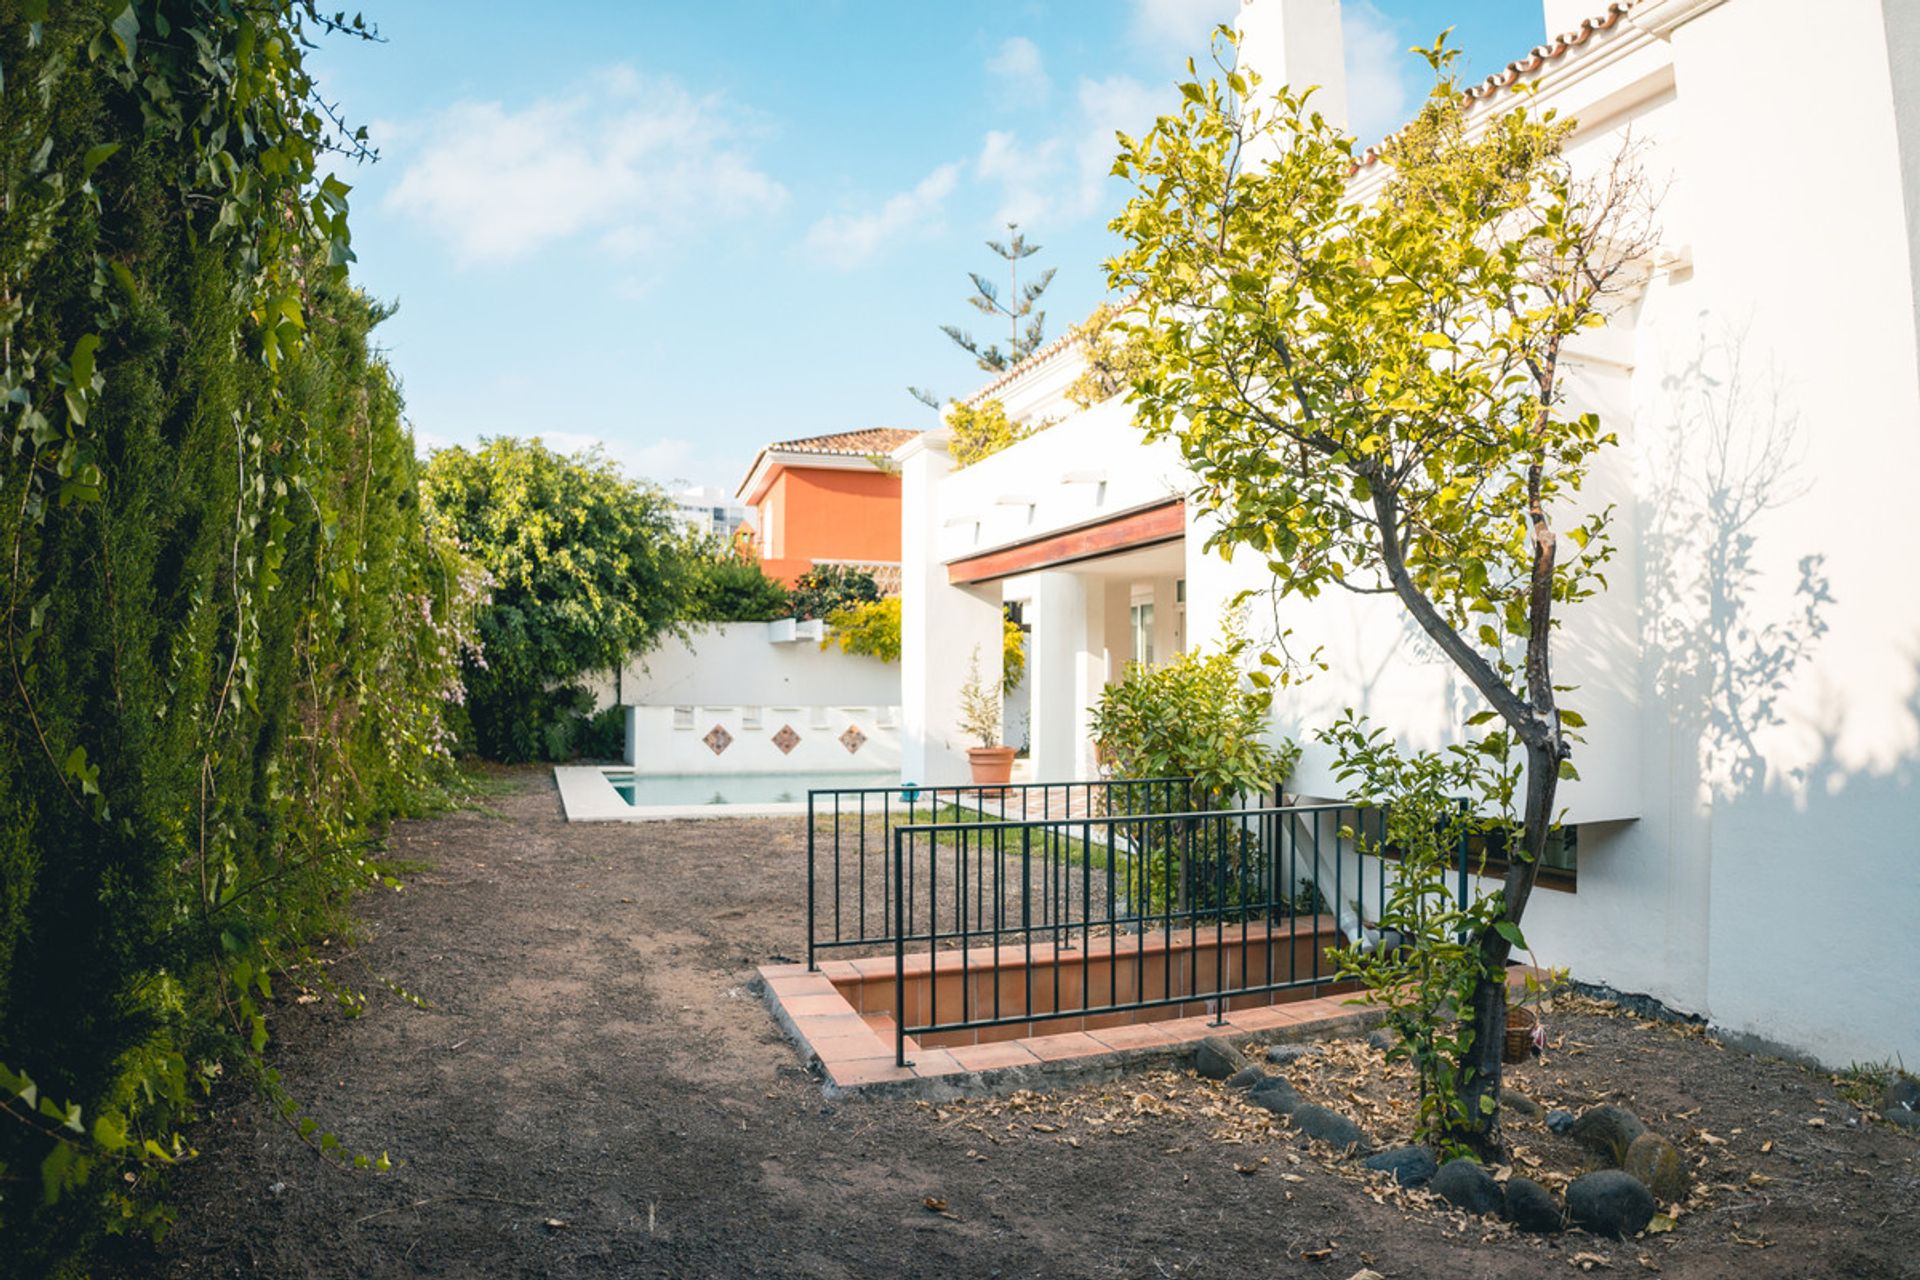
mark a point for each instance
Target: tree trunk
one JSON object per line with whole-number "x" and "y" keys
{"x": 1480, "y": 1065}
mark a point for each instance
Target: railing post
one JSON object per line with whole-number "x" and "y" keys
{"x": 1219, "y": 925}
{"x": 1460, "y": 903}
{"x": 900, "y": 954}
{"x": 811, "y": 966}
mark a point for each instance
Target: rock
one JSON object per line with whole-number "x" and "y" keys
{"x": 1410, "y": 1166}
{"x": 1466, "y": 1184}
{"x": 1328, "y": 1126}
{"x": 1281, "y": 1054}
{"x": 1904, "y": 1118}
{"x": 1520, "y": 1104}
{"x": 1382, "y": 1040}
{"x": 1250, "y": 1078}
{"x": 1903, "y": 1094}
{"x": 1610, "y": 1202}
{"x": 1217, "y": 1059}
{"x": 1607, "y": 1131}
{"x": 1559, "y": 1121}
{"x": 1659, "y": 1164}
{"x": 1531, "y": 1207}
{"x": 1276, "y": 1095}
{"x": 1366, "y": 1273}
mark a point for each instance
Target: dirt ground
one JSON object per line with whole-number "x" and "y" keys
{"x": 594, "y": 1090}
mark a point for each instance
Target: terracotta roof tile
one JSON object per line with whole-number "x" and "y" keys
{"x": 1026, "y": 366}
{"x": 857, "y": 444}
{"x": 1552, "y": 51}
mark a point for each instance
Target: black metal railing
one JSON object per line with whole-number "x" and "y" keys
{"x": 1128, "y": 910}
{"x": 850, "y": 863}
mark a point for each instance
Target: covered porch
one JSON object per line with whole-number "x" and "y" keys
{"x": 1090, "y": 563}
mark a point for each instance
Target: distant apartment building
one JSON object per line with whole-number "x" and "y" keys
{"x": 710, "y": 510}
{"x": 832, "y": 499}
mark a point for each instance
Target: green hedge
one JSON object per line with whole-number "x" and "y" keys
{"x": 227, "y": 638}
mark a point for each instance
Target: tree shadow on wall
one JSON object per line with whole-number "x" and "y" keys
{"x": 1722, "y": 649}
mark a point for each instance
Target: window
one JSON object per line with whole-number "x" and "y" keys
{"x": 1143, "y": 633}
{"x": 1558, "y": 863}
{"x": 1486, "y": 856}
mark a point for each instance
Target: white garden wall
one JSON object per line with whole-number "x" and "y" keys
{"x": 749, "y": 681}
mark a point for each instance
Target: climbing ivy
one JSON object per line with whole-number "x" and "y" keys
{"x": 227, "y": 637}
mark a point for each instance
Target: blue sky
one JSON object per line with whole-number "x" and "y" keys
{"x": 684, "y": 230}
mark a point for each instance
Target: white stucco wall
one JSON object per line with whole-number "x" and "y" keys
{"x": 1749, "y": 814}
{"x": 942, "y": 627}
{"x": 737, "y": 664}
{"x": 1090, "y": 465}
{"x": 830, "y": 739}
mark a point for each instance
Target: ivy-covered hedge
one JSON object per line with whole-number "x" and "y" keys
{"x": 227, "y": 637}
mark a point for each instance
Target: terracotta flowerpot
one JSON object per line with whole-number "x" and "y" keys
{"x": 991, "y": 765}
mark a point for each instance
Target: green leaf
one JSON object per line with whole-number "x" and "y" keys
{"x": 97, "y": 156}
{"x": 1511, "y": 932}
{"x": 81, "y": 361}
{"x": 126, "y": 33}
{"x": 110, "y": 1130}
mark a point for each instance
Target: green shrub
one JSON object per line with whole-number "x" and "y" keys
{"x": 588, "y": 569}
{"x": 1198, "y": 717}
{"x": 601, "y": 735}
{"x": 873, "y": 628}
{"x": 1113, "y": 359}
{"x": 1431, "y": 804}
{"x": 821, "y": 590}
{"x": 980, "y": 431}
{"x": 229, "y": 636}
{"x": 731, "y": 587}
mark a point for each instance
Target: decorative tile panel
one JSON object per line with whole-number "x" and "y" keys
{"x": 786, "y": 739}
{"x": 718, "y": 739}
{"x": 853, "y": 739}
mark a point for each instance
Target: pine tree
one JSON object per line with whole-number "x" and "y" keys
{"x": 1017, "y": 307}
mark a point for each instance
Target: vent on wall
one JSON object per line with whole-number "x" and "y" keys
{"x": 683, "y": 717}
{"x": 749, "y": 717}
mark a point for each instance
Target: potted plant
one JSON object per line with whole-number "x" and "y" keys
{"x": 992, "y": 763}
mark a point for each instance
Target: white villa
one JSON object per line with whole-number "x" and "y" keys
{"x": 1747, "y": 827}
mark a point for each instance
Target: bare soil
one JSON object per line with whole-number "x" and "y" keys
{"x": 595, "y": 1089}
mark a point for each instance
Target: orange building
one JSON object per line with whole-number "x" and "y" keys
{"x": 831, "y": 499}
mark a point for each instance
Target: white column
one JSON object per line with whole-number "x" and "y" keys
{"x": 941, "y": 626}
{"x": 1058, "y": 616}
{"x": 1096, "y": 665}
{"x": 1297, "y": 43}
{"x": 1067, "y": 668}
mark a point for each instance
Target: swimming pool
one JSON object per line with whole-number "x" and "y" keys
{"x": 644, "y": 790}
{"x": 598, "y": 793}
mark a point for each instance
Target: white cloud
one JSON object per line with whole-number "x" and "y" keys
{"x": 1180, "y": 26}
{"x": 1377, "y": 67}
{"x": 1062, "y": 178}
{"x": 630, "y": 161}
{"x": 847, "y": 240}
{"x": 1018, "y": 74}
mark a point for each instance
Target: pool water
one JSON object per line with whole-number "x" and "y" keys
{"x": 644, "y": 790}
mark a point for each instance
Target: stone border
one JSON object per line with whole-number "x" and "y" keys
{"x": 854, "y": 1060}
{"x": 586, "y": 795}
